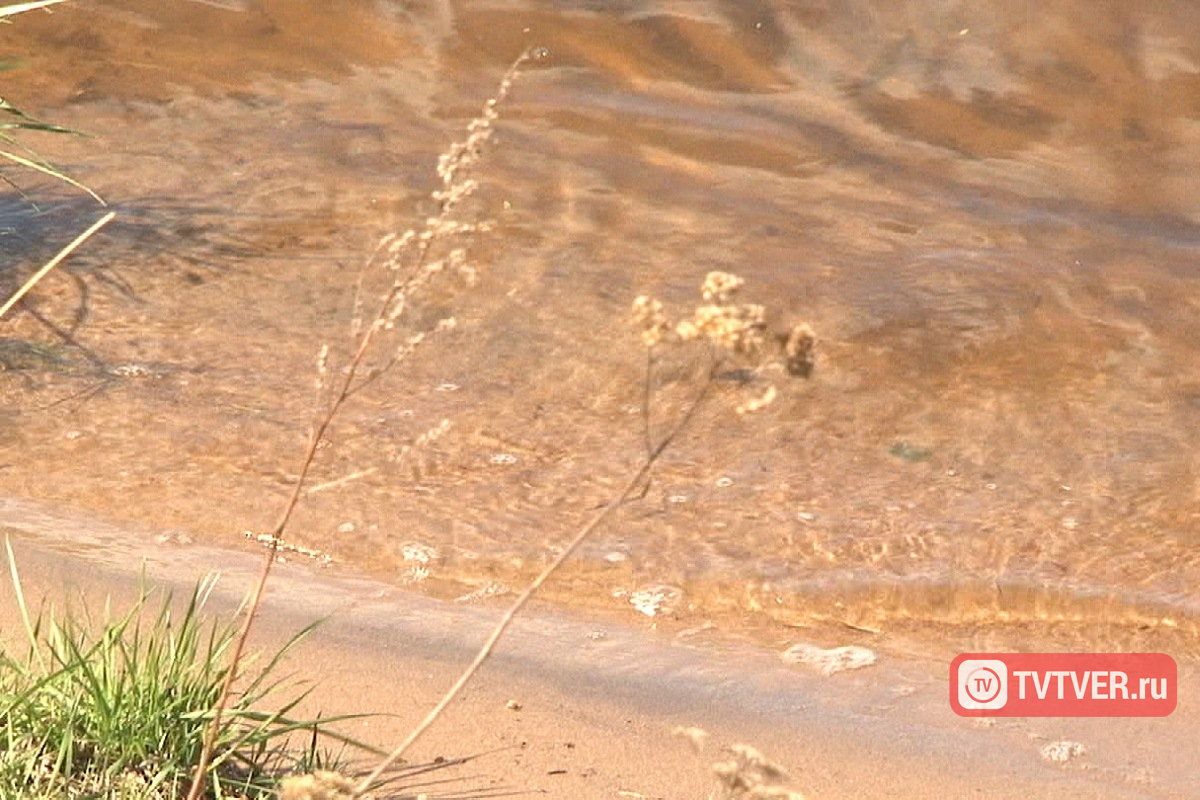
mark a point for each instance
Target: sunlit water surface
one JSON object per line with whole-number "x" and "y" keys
{"x": 990, "y": 217}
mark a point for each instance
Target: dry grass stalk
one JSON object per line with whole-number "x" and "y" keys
{"x": 393, "y": 253}
{"x": 54, "y": 262}
{"x": 489, "y": 645}
{"x": 734, "y": 328}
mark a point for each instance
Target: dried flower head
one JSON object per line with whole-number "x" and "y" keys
{"x": 648, "y": 313}
{"x": 736, "y": 327}
{"x": 800, "y": 350}
{"x": 739, "y": 328}
{"x": 320, "y": 785}
{"x": 718, "y": 286}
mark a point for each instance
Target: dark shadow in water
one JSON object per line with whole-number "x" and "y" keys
{"x": 181, "y": 242}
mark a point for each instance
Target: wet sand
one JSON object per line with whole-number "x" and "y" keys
{"x": 598, "y": 698}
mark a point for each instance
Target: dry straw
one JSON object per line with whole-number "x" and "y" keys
{"x": 54, "y": 262}
{"x": 406, "y": 260}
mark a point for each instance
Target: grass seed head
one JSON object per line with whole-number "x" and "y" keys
{"x": 800, "y": 350}
{"x": 718, "y": 286}
{"x": 319, "y": 785}
{"x": 648, "y": 314}
{"x": 322, "y": 367}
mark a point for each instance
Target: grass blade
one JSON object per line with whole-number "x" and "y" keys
{"x": 17, "y": 8}
{"x": 49, "y": 265}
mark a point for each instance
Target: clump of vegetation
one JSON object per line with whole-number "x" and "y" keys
{"x": 115, "y": 707}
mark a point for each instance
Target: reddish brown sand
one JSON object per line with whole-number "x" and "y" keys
{"x": 598, "y": 700}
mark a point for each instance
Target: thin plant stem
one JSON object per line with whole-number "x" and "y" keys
{"x": 17, "y": 8}
{"x": 646, "y": 391}
{"x": 54, "y": 262}
{"x": 502, "y": 625}
{"x": 210, "y": 734}
{"x": 399, "y": 289}
{"x": 310, "y": 454}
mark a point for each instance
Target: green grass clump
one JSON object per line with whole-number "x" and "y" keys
{"x": 117, "y": 709}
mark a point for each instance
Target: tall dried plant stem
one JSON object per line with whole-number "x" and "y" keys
{"x": 641, "y": 474}
{"x": 399, "y": 290}
{"x": 344, "y": 390}
{"x": 54, "y": 262}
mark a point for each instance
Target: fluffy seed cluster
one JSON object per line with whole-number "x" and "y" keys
{"x": 718, "y": 286}
{"x": 320, "y": 785}
{"x": 648, "y": 315}
{"x": 738, "y": 327}
{"x": 800, "y": 350}
{"x": 696, "y": 737}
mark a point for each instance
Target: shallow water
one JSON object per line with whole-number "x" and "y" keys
{"x": 990, "y": 218}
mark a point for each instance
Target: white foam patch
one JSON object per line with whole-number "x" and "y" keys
{"x": 835, "y": 659}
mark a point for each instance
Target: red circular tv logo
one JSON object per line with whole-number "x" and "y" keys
{"x": 982, "y": 683}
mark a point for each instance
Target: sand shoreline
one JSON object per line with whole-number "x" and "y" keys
{"x": 598, "y": 700}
